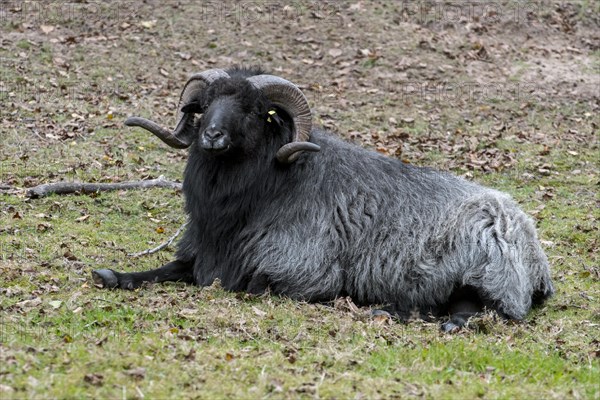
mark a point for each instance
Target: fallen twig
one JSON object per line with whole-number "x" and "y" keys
{"x": 82, "y": 187}
{"x": 7, "y": 189}
{"x": 161, "y": 246}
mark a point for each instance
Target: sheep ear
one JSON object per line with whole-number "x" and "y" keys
{"x": 277, "y": 117}
{"x": 192, "y": 108}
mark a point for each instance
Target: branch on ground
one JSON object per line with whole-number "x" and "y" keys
{"x": 82, "y": 187}
{"x": 161, "y": 246}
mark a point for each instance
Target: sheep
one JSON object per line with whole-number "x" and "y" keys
{"x": 275, "y": 205}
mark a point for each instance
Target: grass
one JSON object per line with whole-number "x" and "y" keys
{"x": 61, "y": 337}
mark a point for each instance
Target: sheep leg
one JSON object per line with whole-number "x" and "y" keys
{"x": 460, "y": 312}
{"x": 173, "y": 271}
{"x": 258, "y": 284}
{"x": 464, "y": 303}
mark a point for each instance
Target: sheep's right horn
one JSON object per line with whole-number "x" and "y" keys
{"x": 289, "y": 97}
{"x": 183, "y": 135}
{"x": 290, "y": 152}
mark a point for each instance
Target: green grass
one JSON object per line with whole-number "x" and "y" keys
{"x": 190, "y": 340}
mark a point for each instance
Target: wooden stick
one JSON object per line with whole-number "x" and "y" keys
{"x": 161, "y": 246}
{"x": 83, "y": 187}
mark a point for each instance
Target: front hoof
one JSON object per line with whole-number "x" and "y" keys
{"x": 380, "y": 314}
{"x": 105, "y": 278}
{"x": 450, "y": 327}
{"x": 381, "y": 317}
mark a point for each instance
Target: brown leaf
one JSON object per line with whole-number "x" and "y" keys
{"x": 43, "y": 227}
{"x": 94, "y": 379}
{"x": 191, "y": 355}
{"x": 137, "y": 373}
{"x": 70, "y": 256}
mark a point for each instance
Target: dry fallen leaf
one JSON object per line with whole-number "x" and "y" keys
{"x": 137, "y": 373}
{"x": 6, "y": 388}
{"x": 258, "y": 311}
{"x": 70, "y": 256}
{"x": 43, "y": 227}
{"x": 29, "y": 303}
{"x": 335, "y": 52}
{"x": 148, "y": 24}
{"x": 94, "y": 379}
{"x": 55, "y": 304}
{"x": 46, "y": 29}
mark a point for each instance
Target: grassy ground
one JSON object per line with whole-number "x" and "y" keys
{"x": 506, "y": 95}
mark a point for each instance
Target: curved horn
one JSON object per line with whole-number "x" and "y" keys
{"x": 181, "y": 137}
{"x": 290, "y": 152}
{"x": 289, "y": 97}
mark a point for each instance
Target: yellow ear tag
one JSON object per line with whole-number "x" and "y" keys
{"x": 269, "y": 119}
{"x": 271, "y": 112}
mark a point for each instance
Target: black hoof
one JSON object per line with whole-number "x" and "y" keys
{"x": 457, "y": 321}
{"x": 381, "y": 317}
{"x": 450, "y": 327}
{"x": 105, "y": 278}
{"x": 380, "y": 313}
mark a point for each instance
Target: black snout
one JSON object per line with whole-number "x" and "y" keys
{"x": 215, "y": 139}
{"x": 213, "y": 133}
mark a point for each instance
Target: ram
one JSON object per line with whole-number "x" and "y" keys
{"x": 276, "y": 205}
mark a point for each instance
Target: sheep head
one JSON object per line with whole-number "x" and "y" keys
{"x": 213, "y": 131}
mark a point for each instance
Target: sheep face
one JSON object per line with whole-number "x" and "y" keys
{"x": 237, "y": 120}
{"x": 231, "y": 127}
{"x": 245, "y": 108}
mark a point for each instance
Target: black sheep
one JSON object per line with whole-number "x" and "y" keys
{"x": 274, "y": 204}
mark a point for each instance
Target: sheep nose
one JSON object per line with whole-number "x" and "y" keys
{"x": 213, "y": 133}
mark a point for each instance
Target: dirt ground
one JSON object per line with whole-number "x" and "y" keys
{"x": 375, "y": 71}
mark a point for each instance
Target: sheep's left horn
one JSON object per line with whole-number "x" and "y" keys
{"x": 183, "y": 135}
{"x": 158, "y": 130}
{"x": 288, "y": 96}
